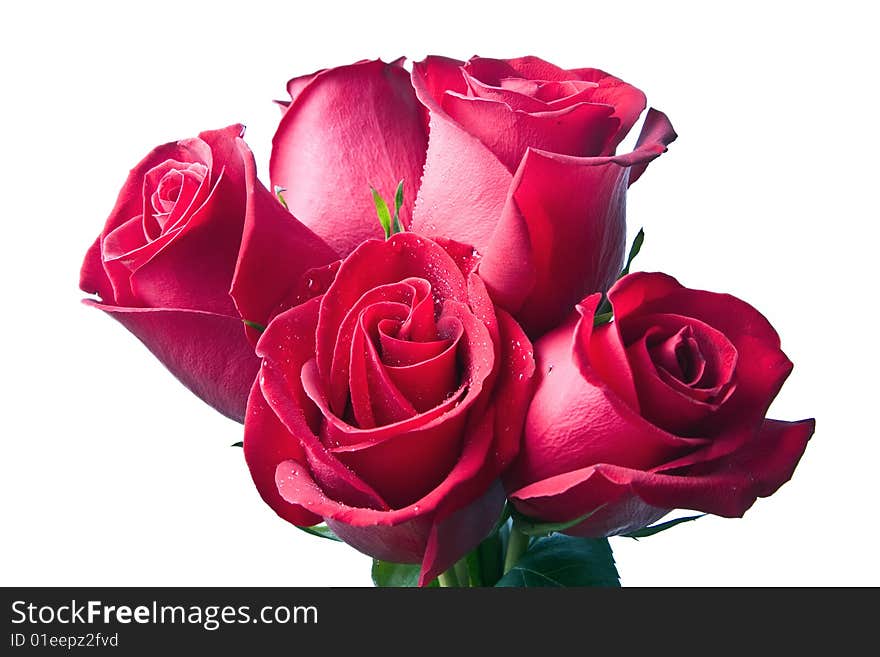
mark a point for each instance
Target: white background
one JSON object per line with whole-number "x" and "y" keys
{"x": 112, "y": 474}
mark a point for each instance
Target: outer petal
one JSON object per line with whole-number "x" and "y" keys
{"x": 276, "y": 250}
{"x": 628, "y": 101}
{"x": 349, "y": 128}
{"x": 513, "y": 388}
{"x": 266, "y": 444}
{"x": 574, "y": 423}
{"x": 562, "y": 232}
{"x": 634, "y": 498}
{"x": 463, "y": 484}
{"x": 464, "y": 186}
{"x": 581, "y": 129}
{"x": 208, "y": 353}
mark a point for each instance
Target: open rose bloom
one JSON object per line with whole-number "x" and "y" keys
{"x": 383, "y": 366}
{"x": 389, "y": 405}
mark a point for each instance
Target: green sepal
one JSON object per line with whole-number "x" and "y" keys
{"x": 662, "y": 527}
{"x": 322, "y": 531}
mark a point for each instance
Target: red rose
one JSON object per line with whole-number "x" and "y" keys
{"x": 662, "y": 408}
{"x": 167, "y": 257}
{"x": 521, "y": 163}
{"x": 389, "y": 405}
{"x": 346, "y": 129}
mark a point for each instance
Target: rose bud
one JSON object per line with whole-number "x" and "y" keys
{"x": 389, "y": 405}
{"x": 343, "y": 130}
{"x": 165, "y": 262}
{"x": 521, "y": 163}
{"x": 662, "y": 408}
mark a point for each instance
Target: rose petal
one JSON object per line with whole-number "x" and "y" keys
{"x": 573, "y": 423}
{"x": 464, "y": 186}
{"x": 564, "y": 220}
{"x": 761, "y": 367}
{"x": 276, "y": 250}
{"x": 628, "y": 101}
{"x": 491, "y": 71}
{"x": 383, "y": 133}
{"x": 457, "y": 534}
{"x": 266, "y": 444}
{"x": 297, "y": 485}
{"x": 372, "y": 265}
{"x": 375, "y": 397}
{"x": 727, "y": 487}
{"x": 578, "y": 130}
{"x": 513, "y": 389}
{"x": 211, "y": 238}
{"x": 208, "y": 353}
{"x": 514, "y": 99}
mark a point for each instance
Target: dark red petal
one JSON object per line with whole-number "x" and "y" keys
{"x": 663, "y": 404}
{"x": 276, "y": 250}
{"x": 401, "y": 353}
{"x": 563, "y": 227}
{"x": 513, "y": 389}
{"x": 372, "y": 265}
{"x": 92, "y": 278}
{"x": 375, "y": 397}
{"x": 292, "y": 408}
{"x": 600, "y": 355}
{"x": 398, "y": 295}
{"x": 208, "y": 353}
{"x": 761, "y": 367}
{"x": 727, "y": 487}
{"x": 266, "y": 444}
{"x": 628, "y": 101}
{"x": 369, "y": 107}
{"x": 297, "y": 485}
{"x": 407, "y": 466}
{"x": 427, "y": 382}
{"x": 457, "y": 534}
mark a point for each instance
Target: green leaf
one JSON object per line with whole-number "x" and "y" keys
{"x": 491, "y": 556}
{"x": 602, "y": 318}
{"x": 322, "y": 531}
{"x": 400, "y": 575}
{"x": 663, "y": 526}
{"x": 254, "y": 325}
{"x": 564, "y": 561}
{"x": 398, "y": 197}
{"x": 531, "y": 527}
{"x": 238, "y": 444}
{"x": 383, "y": 212}
{"x": 604, "y": 313}
{"x": 278, "y": 190}
{"x": 633, "y": 251}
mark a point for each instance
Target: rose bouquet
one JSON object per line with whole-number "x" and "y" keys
{"x": 446, "y": 362}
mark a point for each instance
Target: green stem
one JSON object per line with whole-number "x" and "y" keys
{"x": 461, "y": 573}
{"x": 475, "y": 570}
{"x": 517, "y": 545}
{"x": 448, "y": 579}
